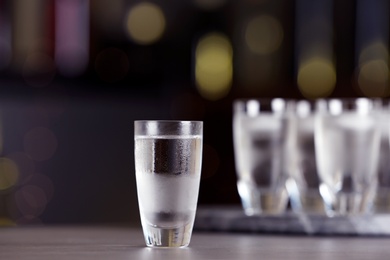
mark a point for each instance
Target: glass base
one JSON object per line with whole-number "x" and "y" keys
{"x": 265, "y": 204}
{"x": 167, "y": 237}
{"x": 309, "y": 203}
{"x": 346, "y": 204}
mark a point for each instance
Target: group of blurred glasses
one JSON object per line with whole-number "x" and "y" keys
{"x": 324, "y": 157}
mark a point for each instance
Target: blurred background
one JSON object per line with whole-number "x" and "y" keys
{"x": 75, "y": 74}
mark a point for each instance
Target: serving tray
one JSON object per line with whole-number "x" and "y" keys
{"x": 233, "y": 219}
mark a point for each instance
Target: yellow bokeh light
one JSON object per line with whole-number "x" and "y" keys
{"x": 316, "y": 78}
{"x": 376, "y": 50}
{"x": 373, "y": 78}
{"x": 373, "y": 70}
{"x": 214, "y": 66}
{"x": 9, "y": 173}
{"x": 264, "y": 34}
{"x": 145, "y": 23}
{"x": 6, "y": 222}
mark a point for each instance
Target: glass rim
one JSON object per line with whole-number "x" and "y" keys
{"x": 168, "y": 121}
{"x": 167, "y": 127}
{"x": 338, "y": 106}
{"x": 262, "y": 106}
{"x": 346, "y": 99}
{"x": 246, "y": 100}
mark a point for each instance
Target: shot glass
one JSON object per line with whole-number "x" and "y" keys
{"x": 347, "y": 141}
{"x": 382, "y": 197}
{"x": 168, "y": 158}
{"x": 304, "y": 184}
{"x": 260, "y": 135}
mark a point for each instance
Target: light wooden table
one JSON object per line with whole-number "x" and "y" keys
{"x": 96, "y": 243}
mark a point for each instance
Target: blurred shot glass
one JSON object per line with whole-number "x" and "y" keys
{"x": 168, "y": 157}
{"x": 382, "y": 198}
{"x": 347, "y": 141}
{"x": 260, "y": 134}
{"x": 304, "y": 184}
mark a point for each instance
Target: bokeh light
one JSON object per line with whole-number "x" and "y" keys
{"x": 26, "y": 31}
{"x": 375, "y": 50}
{"x": 44, "y": 182}
{"x": 40, "y": 143}
{"x": 6, "y": 222}
{"x": 264, "y": 34}
{"x": 72, "y": 37}
{"x": 314, "y": 36}
{"x": 31, "y": 200}
{"x": 25, "y": 165}
{"x": 373, "y": 78}
{"x": 9, "y": 173}
{"x": 373, "y": 71}
{"x": 316, "y": 77}
{"x": 145, "y": 23}
{"x": 214, "y": 66}
{"x": 39, "y": 69}
{"x": 112, "y": 65}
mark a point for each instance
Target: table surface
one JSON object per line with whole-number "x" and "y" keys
{"x": 48, "y": 242}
